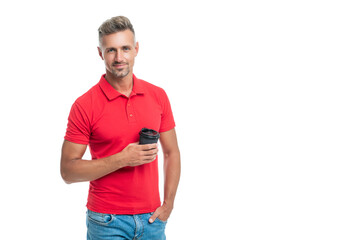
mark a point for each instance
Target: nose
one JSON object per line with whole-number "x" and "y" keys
{"x": 119, "y": 56}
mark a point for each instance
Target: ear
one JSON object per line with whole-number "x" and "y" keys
{"x": 136, "y": 48}
{"x": 100, "y": 53}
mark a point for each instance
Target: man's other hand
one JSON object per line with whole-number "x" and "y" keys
{"x": 161, "y": 213}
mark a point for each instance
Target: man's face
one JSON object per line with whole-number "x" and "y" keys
{"x": 118, "y": 51}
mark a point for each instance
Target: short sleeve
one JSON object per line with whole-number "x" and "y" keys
{"x": 78, "y": 127}
{"x": 167, "y": 120}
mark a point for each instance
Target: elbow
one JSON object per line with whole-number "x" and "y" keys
{"x": 68, "y": 181}
{"x": 172, "y": 157}
{"x": 172, "y": 154}
{"x": 66, "y": 177}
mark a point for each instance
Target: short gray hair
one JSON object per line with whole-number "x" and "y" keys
{"x": 113, "y": 25}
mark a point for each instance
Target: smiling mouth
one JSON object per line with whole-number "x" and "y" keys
{"x": 119, "y": 65}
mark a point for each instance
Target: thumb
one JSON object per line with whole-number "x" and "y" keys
{"x": 154, "y": 216}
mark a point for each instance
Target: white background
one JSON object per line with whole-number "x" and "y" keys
{"x": 261, "y": 96}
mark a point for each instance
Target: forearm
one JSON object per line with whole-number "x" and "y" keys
{"x": 80, "y": 170}
{"x": 75, "y": 169}
{"x": 171, "y": 176}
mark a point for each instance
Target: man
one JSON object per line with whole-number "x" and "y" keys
{"x": 123, "y": 201}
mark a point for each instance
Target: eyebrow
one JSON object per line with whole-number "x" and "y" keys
{"x": 113, "y": 48}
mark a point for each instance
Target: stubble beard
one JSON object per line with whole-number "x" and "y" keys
{"x": 119, "y": 73}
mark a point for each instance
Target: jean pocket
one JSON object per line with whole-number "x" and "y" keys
{"x": 161, "y": 221}
{"x": 100, "y": 218}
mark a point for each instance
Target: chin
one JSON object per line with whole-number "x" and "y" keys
{"x": 120, "y": 74}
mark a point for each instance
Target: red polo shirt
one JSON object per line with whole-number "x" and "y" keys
{"x": 108, "y": 121}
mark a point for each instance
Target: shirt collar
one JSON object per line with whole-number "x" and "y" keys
{"x": 112, "y": 93}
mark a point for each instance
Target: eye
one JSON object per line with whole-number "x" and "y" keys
{"x": 110, "y": 50}
{"x": 126, "y": 48}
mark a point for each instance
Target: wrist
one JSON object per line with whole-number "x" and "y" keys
{"x": 168, "y": 204}
{"x": 119, "y": 160}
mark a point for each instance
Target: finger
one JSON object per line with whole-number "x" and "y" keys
{"x": 149, "y": 159}
{"x": 152, "y": 152}
{"x": 148, "y": 147}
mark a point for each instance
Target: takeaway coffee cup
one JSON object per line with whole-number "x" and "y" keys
{"x": 148, "y": 136}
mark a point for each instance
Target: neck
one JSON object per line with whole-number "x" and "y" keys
{"x": 123, "y": 85}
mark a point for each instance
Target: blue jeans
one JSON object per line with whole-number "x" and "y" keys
{"x": 134, "y": 227}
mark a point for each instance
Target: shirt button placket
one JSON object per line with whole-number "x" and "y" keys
{"x": 130, "y": 112}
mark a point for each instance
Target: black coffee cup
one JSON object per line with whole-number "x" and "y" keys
{"x": 148, "y": 136}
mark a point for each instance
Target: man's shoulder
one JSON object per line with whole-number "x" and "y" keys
{"x": 90, "y": 97}
{"x": 149, "y": 87}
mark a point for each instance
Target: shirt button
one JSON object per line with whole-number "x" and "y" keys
{"x": 131, "y": 115}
